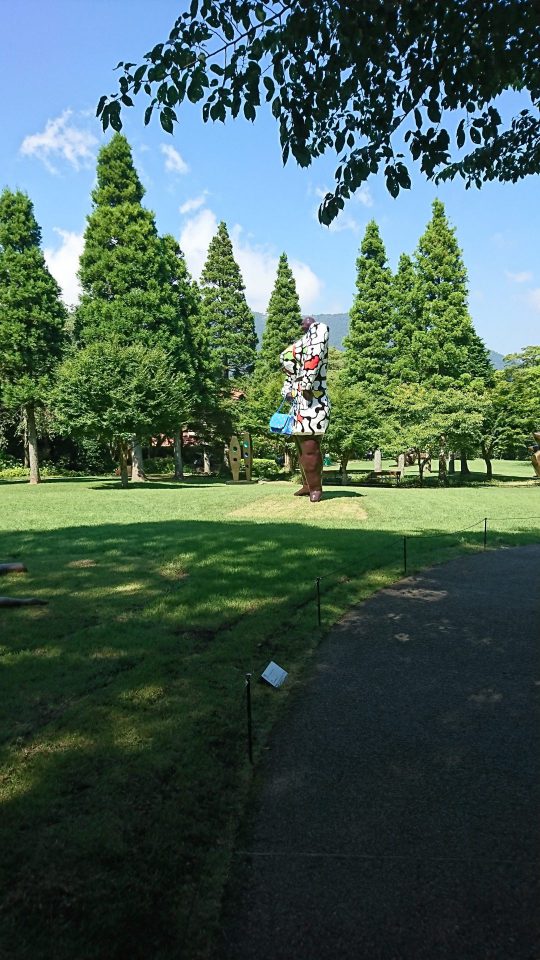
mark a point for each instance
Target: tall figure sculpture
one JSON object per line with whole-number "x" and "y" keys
{"x": 305, "y": 364}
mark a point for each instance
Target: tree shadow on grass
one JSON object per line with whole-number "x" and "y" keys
{"x": 124, "y": 745}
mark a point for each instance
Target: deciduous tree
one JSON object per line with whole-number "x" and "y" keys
{"x": 112, "y": 392}
{"x": 367, "y": 80}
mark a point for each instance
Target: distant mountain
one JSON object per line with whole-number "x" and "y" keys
{"x": 497, "y": 360}
{"x": 338, "y": 324}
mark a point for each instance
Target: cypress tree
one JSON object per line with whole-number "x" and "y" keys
{"x": 121, "y": 267}
{"x": 135, "y": 287}
{"x": 450, "y": 353}
{"x": 369, "y": 348}
{"x": 32, "y": 316}
{"x": 406, "y": 321}
{"x": 449, "y": 350}
{"x": 189, "y": 345}
{"x": 229, "y": 321}
{"x": 282, "y": 322}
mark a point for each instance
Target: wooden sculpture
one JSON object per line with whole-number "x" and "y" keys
{"x": 247, "y": 455}
{"x": 235, "y": 458}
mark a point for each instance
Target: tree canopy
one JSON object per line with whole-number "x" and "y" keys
{"x": 367, "y": 80}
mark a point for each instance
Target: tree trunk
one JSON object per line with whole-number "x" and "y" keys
{"x": 452, "y": 464}
{"x": 464, "y": 468}
{"x": 421, "y": 465}
{"x": 486, "y": 454}
{"x": 343, "y": 463}
{"x": 137, "y": 463}
{"x": 26, "y": 458}
{"x": 443, "y": 478}
{"x": 123, "y": 455}
{"x": 178, "y": 454}
{"x": 206, "y": 463}
{"x": 32, "y": 444}
{"x": 287, "y": 460}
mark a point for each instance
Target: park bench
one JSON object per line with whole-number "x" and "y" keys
{"x": 384, "y": 474}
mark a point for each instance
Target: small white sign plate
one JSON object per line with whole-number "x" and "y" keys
{"x": 274, "y": 675}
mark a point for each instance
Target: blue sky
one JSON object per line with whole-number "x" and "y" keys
{"x": 58, "y": 58}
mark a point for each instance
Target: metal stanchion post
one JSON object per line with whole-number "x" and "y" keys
{"x": 318, "y": 582}
{"x": 485, "y": 532}
{"x": 405, "y": 555}
{"x": 249, "y": 726}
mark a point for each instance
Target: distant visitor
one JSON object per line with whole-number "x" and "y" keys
{"x": 305, "y": 364}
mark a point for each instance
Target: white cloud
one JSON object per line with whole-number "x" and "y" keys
{"x": 194, "y": 203}
{"x": 363, "y": 196}
{"x": 533, "y": 298}
{"x": 257, "y": 263}
{"x": 174, "y": 163}
{"x": 195, "y": 238}
{"x": 61, "y": 140}
{"x": 63, "y": 262}
{"x": 524, "y": 277}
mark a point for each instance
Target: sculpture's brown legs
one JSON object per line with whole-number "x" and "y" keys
{"x": 311, "y": 465}
{"x": 303, "y": 491}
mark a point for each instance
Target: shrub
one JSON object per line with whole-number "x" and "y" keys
{"x": 266, "y": 469}
{"x": 159, "y": 465}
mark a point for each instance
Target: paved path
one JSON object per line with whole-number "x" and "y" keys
{"x": 398, "y": 818}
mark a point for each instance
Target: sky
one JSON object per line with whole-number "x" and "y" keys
{"x": 58, "y": 58}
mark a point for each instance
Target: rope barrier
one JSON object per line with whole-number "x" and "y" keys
{"x": 416, "y": 536}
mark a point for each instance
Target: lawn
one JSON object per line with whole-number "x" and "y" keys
{"x": 124, "y": 769}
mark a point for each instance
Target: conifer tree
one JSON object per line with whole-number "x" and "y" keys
{"x": 189, "y": 348}
{"x": 32, "y": 316}
{"x": 282, "y": 322}
{"x": 406, "y": 322}
{"x": 135, "y": 287}
{"x": 229, "y": 321}
{"x": 449, "y": 351}
{"x": 448, "y": 348}
{"x": 369, "y": 349}
{"x": 121, "y": 267}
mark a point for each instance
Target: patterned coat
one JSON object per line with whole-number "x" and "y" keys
{"x": 305, "y": 363}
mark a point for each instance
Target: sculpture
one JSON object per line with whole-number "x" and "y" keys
{"x": 305, "y": 363}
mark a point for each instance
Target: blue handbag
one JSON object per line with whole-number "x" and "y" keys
{"x": 282, "y": 423}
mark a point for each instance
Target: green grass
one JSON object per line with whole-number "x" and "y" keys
{"x": 123, "y": 767}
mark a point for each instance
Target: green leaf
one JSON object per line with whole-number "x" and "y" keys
{"x": 101, "y": 104}
{"x": 195, "y": 92}
{"x": 276, "y": 107}
{"x": 260, "y": 13}
{"x": 166, "y": 122}
{"x": 433, "y": 111}
{"x": 148, "y": 114}
{"x": 249, "y": 111}
{"x": 475, "y": 135}
{"x": 270, "y": 87}
{"x": 460, "y": 134}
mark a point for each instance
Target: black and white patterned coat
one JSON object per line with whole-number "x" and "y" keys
{"x": 306, "y": 363}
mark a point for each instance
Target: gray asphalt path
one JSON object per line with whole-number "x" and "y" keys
{"x": 398, "y": 814}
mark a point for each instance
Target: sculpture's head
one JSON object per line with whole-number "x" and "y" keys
{"x": 306, "y": 323}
